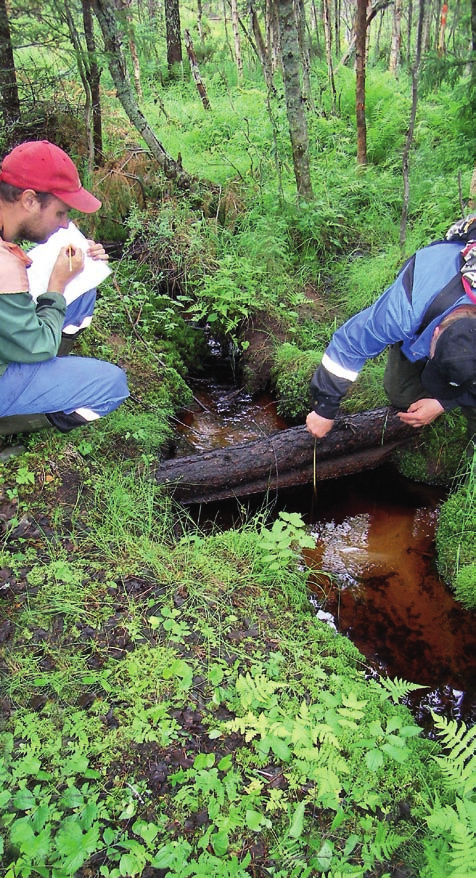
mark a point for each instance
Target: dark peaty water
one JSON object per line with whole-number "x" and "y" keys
{"x": 375, "y": 532}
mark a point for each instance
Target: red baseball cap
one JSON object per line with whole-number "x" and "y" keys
{"x": 44, "y": 167}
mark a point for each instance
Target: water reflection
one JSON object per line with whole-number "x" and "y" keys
{"x": 375, "y": 535}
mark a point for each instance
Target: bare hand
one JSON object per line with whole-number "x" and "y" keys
{"x": 97, "y": 251}
{"x": 421, "y": 412}
{"x": 317, "y": 425}
{"x": 69, "y": 263}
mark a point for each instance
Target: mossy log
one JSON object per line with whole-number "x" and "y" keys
{"x": 287, "y": 458}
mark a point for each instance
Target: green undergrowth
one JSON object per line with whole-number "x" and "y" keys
{"x": 456, "y": 536}
{"x": 172, "y": 706}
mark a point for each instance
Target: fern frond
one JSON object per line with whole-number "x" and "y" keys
{"x": 386, "y": 842}
{"x": 459, "y": 764}
{"x": 396, "y": 688}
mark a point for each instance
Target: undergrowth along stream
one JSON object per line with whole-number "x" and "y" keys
{"x": 172, "y": 705}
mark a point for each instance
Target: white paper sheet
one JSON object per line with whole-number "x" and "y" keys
{"x": 44, "y": 257}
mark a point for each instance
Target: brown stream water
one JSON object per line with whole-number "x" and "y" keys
{"x": 374, "y": 535}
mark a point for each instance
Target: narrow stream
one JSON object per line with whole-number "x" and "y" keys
{"x": 374, "y": 563}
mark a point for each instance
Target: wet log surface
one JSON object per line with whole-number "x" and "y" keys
{"x": 287, "y": 458}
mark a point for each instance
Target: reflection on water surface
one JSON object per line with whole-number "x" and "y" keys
{"x": 375, "y": 533}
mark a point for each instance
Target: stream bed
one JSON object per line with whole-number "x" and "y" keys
{"x": 373, "y": 568}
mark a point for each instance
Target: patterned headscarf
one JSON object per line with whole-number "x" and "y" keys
{"x": 465, "y": 230}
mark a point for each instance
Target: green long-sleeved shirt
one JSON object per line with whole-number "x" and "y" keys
{"x": 30, "y": 331}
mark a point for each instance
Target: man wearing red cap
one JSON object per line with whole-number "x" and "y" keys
{"x": 39, "y": 184}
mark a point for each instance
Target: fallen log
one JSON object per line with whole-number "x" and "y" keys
{"x": 287, "y": 458}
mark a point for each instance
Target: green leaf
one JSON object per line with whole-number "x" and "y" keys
{"x": 130, "y": 865}
{"x": 253, "y": 820}
{"x": 147, "y": 831}
{"x": 21, "y": 834}
{"x": 374, "y": 759}
{"x": 72, "y": 798}
{"x": 324, "y": 857}
{"x": 395, "y": 752}
{"x": 24, "y": 800}
{"x": 297, "y": 824}
{"x": 220, "y": 843}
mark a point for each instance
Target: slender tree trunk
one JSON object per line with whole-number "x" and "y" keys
{"x": 262, "y": 51}
{"x": 473, "y": 36}
{"x": 195, "y": 71}
{"x": 337, "y": 18}
{"x": 9, "y": 99}
{"x": 360, "y": 42}
{"x": 65, "y": 12}
{"x": 200, "y": 20}
{"x": 409, "y": 32}
{"x": 294, "y": 103}
{"x": 300, "y": 15}
{"x": 396, "y": 37}
{"x": 173, "y": 32}
{"x": 236, "y": 38}
{"x": 316, "y": 28}
{"x": 94, "y": 77}
{"x": 328, "y": 36}
{"x": 273, "y": 43}
{"x": 411, "y": 126}
{"x": 120, "y": 76}
{"x": 124, "y": 6}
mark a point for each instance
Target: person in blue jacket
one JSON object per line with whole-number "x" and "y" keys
{"x": 431, "y": 365}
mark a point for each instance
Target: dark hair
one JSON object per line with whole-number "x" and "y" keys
{"x": 10, "y": 194}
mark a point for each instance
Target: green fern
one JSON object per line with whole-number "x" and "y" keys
{"x": 452, "y": 851}
{"x": 459, "y": 766}
{"x": 397, "y": 689}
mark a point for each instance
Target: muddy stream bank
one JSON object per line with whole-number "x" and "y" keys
{"x": 374, "y": 570}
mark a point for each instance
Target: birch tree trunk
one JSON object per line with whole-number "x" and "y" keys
{"x": 195, "y": 71}
{"x": 105, "y": 13}
{"x": 328, "y": 37}
{"x": 236, "y": 38}
{"x": 394, "y": 62}
{"x": 297, "y": 122}
{"x": 360, "y": 44}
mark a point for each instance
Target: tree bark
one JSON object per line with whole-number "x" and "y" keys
{"x": 262, "y": 51}
{"x": 195, "y": 71}
{"x": 411, "y": 127}
{"x": 94, "y": 78}
{"x": 173, "y": 32}
{"x": 236, "y": 38}
{"x": 328, "y": 39}
{"x": 360, "y": 44}
{"x": 394, "y": 62}
{"x": 9, "y": 99}
{"x": 288, "y": 458}
{"x": 290, "y": 59}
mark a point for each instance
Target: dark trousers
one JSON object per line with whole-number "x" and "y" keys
{"x": 403, "y": 386}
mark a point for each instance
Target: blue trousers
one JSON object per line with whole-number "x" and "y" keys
{"x": 72, "y": 390}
